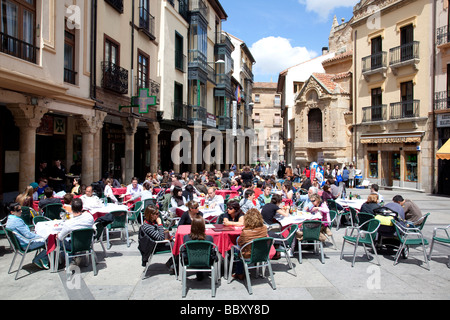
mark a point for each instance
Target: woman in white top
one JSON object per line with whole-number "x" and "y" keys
{"x": 108, "y": 191}
{"x": 177, "y": 199}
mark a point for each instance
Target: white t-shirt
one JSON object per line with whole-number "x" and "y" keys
{"x": 83, "y": 221}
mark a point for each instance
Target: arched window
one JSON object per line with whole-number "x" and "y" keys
{"x": 315, "y": 126}
{"x": 312, "y": 96}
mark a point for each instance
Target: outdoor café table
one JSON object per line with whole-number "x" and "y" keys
{"x": 110, "y": 207}
{"x": 354, "y": 203}
{"x": 223, "y": 239}
{"x": 297, "y": 218}
{"x": 49, "y": 231}
{"x": 225, "y": 193}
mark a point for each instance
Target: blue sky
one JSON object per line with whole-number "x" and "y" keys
{"x": 283, "y": 33}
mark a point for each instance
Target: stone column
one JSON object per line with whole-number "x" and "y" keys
{"x": 154, "y": 129}
{"x": 28, "y": 119}
{"x": 130, "y": 126}
{"x": 89, "y": 127}
{"x": 100, "y": 118}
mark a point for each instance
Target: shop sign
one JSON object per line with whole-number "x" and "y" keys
{"x": 443, "y": 120}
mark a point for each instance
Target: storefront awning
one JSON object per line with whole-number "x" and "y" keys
{"x": 444, "y": 152}
{"x": 393, "y": 138}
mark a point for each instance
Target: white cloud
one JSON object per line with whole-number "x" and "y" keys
{"x": 275, "y": 54}
{"x": 324, "y": 7}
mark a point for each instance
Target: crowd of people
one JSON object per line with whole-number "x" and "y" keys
{"x": 260, "y": 198}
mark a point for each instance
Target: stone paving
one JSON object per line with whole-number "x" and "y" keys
{"x": 119, "y": 273}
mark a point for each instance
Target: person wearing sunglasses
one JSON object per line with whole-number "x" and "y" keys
{"x": 189, "y": 215}
{"x": 25, "y": 236}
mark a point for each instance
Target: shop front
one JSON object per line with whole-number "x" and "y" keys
{"x": 393, "y": 160}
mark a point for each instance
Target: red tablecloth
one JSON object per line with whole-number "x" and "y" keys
{"x": 225, "y": 193}
{"x": 224, "y": 239}
{"x": 119, "y": 191}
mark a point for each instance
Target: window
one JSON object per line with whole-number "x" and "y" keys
{"x": 116, "y": 4}
{"x": 377, "y": 101}
{"x": 395, "y": 166}
{"x": 179, "y": 55}
{"x": 257, "y": 98}
{"x": 407, "y": 96}
{"x": 17, "y": 34}
{"x": 277, "y": 101}
{"x": 373, "y": 165}
{"x": 406, "y": 41}
{"x": 315, "y": 126}
{"x": 143, "y": 70}
{"x": 112, "y": 50}
{"x": 411, "y": 167}
{"x": 69, "y": 56}
{"x": 376, "y": 58}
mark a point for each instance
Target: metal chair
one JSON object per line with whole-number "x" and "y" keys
{"x": 332, "y": 205}
{"x": 198, "y": 259}
{"x": 333, "y": 218}
{"x": 135, "y": 213}
{"x": 410, "y": 237}
{"x": 27, "y": 216}
{"x": 366, "y": 234}
{"x": 19, "y": 250}
{"x": 260, "y": 250}
{"x": 38, "y": 219}
{"x": 120, "y": 222}
{"x": 444, "y": 240}
{"x": 154, "y": 252}
{"x": 99, "y": 231}
{"x": 81, "y": 244}
{"x": 363, "y": 217}
{"x": 311, "y": 235}
{"x": 286, "y": 245}
{"x": 53, "y": 211}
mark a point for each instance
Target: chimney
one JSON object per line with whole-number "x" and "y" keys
{"x": 324, "y": 50}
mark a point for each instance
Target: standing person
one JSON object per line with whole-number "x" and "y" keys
{"x": 57, "y": 176}
{"x": 351, "y": 175}
{"x": 297, "y": 173}
{"x": 247, "y": 175}
{"x": 25, "y": 236}
{"x": 345, "y": 176}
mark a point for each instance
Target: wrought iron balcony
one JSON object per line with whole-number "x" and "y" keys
{"x": 404, "y": 55}
{"x": 147, "y": 23}
{"x": 115, "y": 78}
{"x": 442, "y": 35}
{"x": 116, "y": 4}
{"x": 405, "y": 109}
{"x": 224, "y": 123}
{"x": 442, "y": 100}
{"x": 180, "y": 111}
{"x": 199, "y": 6}
{"x": 376, "y": 63}
{"x": 18, "y": 48}
{"x": 375, "y": 113}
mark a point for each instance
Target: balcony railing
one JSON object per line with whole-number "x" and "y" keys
{"x": 442, "y": 100}
{"x": 69, "y": 76}
{"x": 374, "y": 62}
{"x": 147, "y": 22}
{"x": 375, "y": 113}
{"x": 199, "y": 6}
{"x": 154, "y": 88}
{"x": 18, "y": 48}
{"x": 223, "y": 81}
{"x": 180, "y": 61}
{"x": 180, "y": 111}
{"x": 116, "y": 4}
{"x": 442, "y": 35}
{"x": 197, "y": 59}
{"x": 115, "y": 78}
{"x": 404, "y": 53}
{"x": 405, "y": 109}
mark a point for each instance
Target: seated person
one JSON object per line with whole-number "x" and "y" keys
{"x": 396, "y": 206}
{"x": 270, "y": 210}
{"x": 234, "y": 215}
{"x": 247, "y": 203}
{"x": 192, "y": 212}
{"x": 320, "y": 211}
{"x": 213, "y": 200}
{"x": 49, "y": 199}
{"x": 198, "y": 232}
{"x": 80, "y": 220}
{"x": 153, "y": 227}
{"x": 265, "y": 197}
{"x": 145, "y": 194}
{"x": 25, "y": 236}
{"x": 68, "y": 198}
{"x": 374, "y": 189}
{"x": 370, "y": 204}
{"x": 90, "y": 201}
{"x": 189, "y": 192}
{"x": 305, "y": 198}
{"x": 108, "y": 192}
{"x": 254, "y": 228}
{"x": 177, "y": 199}
{"x": 133, "y": 188}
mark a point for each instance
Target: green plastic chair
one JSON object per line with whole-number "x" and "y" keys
{"x": 81, "y": 244}
{"x": 333, "y": 218}
{"x": 441, "y": 239}
{"x": 366, "y": 235}
{"x": 260, "y": 257}
{"x": 311, "y": 234}
{"x": 198, "y": 259}
{"x": 120, "y": 223}
{"x": 27, "y": 216}
{"x": 332, "y": 205}
{"x": 286, "y": 245}
{"x": 3, "y": 226}
{"x": 154, "y": 252}
{"x": 53, "y": 211}
{"x": 410, "y": 237}
{"x": 19, "y": 250}
{"x": 135, "y": 214}
{"x": 363, "y": 217}
{"x": 38, "y": 219}
{"x": 353, "y": 216}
